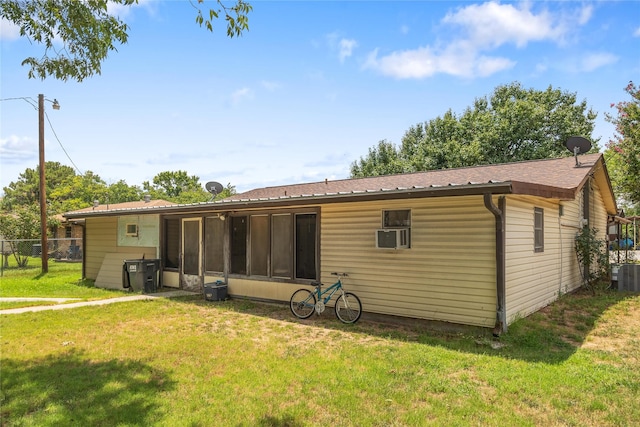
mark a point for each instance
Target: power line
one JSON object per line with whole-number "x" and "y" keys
{"x": 61, "y": 146}
{"x": 32, "y": 102}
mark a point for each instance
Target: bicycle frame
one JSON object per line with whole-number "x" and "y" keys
{"x": 333, "y": 289}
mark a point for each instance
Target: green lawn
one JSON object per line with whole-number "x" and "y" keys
{"x": 188, "y": 362}
{"x": 64, "y": 280}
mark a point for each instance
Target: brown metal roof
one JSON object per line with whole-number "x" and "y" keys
{"x": 550, "y": 178}
{"x": 140, "y": 204}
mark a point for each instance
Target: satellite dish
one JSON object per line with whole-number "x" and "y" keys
{"x": 578, "y": 145}
{"x": 214, "y": 188}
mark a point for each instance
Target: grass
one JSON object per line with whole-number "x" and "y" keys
{"x": 188, "y": 362}
{"x": 62, "y": 281}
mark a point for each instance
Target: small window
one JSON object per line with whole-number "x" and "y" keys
{"x": 538, "y": 230}
{"x": 67, "y": 232}
{"x": 396, "y": 218}
{"x": 132, "y": 230}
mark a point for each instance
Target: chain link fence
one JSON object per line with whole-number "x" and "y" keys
{"x": 16, "y": 253}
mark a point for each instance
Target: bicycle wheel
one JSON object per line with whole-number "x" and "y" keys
{"x": 302, "y": 303}
{"x": 348, "y": 308}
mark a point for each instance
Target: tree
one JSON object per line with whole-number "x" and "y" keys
{"x": 89, "y": 32}
{"x": 120, "y": 192}
{"x": 381, "y": 160}
{"x": 26, "y": 189}
{"x": 22, "y": 224}
{"x": 66, "y": 190}
{"x": 176, "y": 187}
{"x": 512, "y": 124}
{"x": 623, "y": 153}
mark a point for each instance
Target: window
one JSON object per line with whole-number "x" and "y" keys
{"x": 132, "y": 230}
{"x": 396, "y": 230}
{"x": 67, "y": 232}
{"x": 259, "y": 238}
{"x": 191, "y": 248}
{"x": 239, "y": 245}
{"x": 396, "y": 218}
{"x": 306, "y": 246}
{"x": 214, "y": 244}
{"x": 282, "y": 245}
{"x": 171, "y": 243}
{"x": 538, "y": 230}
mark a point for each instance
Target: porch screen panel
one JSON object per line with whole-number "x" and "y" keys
{"x": 259, "y": 245}
{"x": 214, "y": 244}
{"x": 239, "y": 244}
{"x": 306, "y": 246}
{"x": 171, "y": 243}
{"x": 191, "y": 247}
{"x": 281, "y": 254}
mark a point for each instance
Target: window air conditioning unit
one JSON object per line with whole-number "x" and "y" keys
{"x": 392, "y": 238}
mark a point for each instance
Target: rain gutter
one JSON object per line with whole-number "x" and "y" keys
{"x": 499, "y": 214}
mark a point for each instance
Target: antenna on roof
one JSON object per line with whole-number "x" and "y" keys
{"x": 578, "y": 145}
{"x": 214, "y": 188}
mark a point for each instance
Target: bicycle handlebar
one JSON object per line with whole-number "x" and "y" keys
{"x": 339, "y": 274}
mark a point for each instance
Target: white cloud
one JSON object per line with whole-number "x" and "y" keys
{"x": 482, "y": 29}
{"x": 594, "y": 61}
{"x": 346, "y": 48}
{"x": 636, "y": 33}
{"x": 458, "y": 59}
{"x": 343, "y": 46}
{"x": 8, "y": 30}
{"x": 15, "y": 149}
{"x": 585, "y": 14}
{"x": 122, "y": 11}
{"x": 404, "y": 29}
{"x": 241, "y": 95}
{"x": 493, "y": 24}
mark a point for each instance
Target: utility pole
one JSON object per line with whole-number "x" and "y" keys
{"x": 44, "y": 252}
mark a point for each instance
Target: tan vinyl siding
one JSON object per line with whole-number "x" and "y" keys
{"x": 569, "y": 227}
{"x": 533, "y": 280}
{"x": 598, "y": 211}
{"x": 448, "y": 274}
{"x": 101, "y": 238}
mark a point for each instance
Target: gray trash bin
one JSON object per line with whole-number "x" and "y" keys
{"x": 141, "y": 275}
{"x": 216, "y": 291}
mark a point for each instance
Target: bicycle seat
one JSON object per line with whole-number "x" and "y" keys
{"x": 316, "y": 284}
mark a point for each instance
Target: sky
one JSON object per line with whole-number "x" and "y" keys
{"x": 308, "y": 89}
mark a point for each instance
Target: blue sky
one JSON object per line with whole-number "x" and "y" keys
{"x": 309, "y": 89}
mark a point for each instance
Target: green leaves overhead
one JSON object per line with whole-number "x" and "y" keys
{"x": 78, "y": 35}
{"x": 85, "y": 28}
{"x": 623, "y": 151}
{"x": 235, "y": 16}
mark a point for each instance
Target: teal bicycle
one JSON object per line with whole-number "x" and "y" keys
{"x": 304, "y": 302}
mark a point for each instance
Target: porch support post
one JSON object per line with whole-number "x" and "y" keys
{"x": 499, "y": 214}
